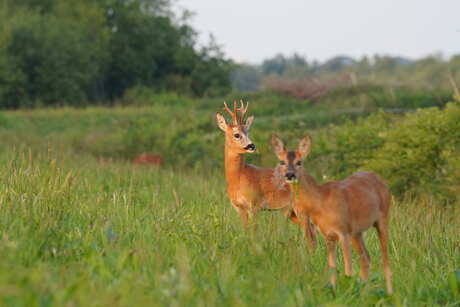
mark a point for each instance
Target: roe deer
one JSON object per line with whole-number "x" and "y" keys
{"x": 341, "y": 210}
{"x": 251, "y": 188}
{"x": 148, "y": 159}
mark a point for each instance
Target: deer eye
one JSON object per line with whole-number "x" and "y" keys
{"x": 299, "y": 163}
{"x": 237, "y": 135}
{"x": 282, "y": 162}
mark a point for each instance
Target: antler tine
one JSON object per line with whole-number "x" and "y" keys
{"x": 232, "y": 114}
{"x": 243, "y": 110}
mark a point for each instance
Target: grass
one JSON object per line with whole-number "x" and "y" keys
{"x": 77, "y": 232}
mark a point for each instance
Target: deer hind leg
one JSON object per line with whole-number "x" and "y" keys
{"x": 382, "y": 230}
{"x": 346, "y": 249}
{"x": 331, "y": 261}
{"x": 364, "y": 259}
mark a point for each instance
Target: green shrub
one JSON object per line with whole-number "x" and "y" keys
{"x": 421, "y": 153}
{"x": 343, "y": 149}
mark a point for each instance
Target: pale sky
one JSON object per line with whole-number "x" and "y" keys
{"x": 252, "y": 30}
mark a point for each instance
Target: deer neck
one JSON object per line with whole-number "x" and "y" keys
{"x": 234, "y": 165}
{"x": 309, "y": 192}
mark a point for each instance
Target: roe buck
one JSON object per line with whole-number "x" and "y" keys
{"x": 251, "y": 188}
{"x": 341, "y": 210}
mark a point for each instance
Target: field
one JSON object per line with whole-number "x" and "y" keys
{"x": 82, "y": 229}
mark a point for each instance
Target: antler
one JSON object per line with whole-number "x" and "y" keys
{"x": 234, "y": 114}
{"x": 243, "y": 110}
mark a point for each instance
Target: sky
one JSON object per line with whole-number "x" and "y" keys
{"x": 250, "y": 31}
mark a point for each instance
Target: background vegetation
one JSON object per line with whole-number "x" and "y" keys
{"x": 297, "y": 76}
{"x": 95, "y": 83}
{"x": 414, "y": 151}
{"x": 65, "y": 53}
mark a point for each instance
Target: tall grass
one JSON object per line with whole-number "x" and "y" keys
{"x": 75, "y": 232}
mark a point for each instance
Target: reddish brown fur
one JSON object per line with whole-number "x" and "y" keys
{"x": 148, "y": 159}
{"x": 251, "y": 188}
{"x": 341, "y": 210}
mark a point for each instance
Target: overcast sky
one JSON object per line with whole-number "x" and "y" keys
{"x": 252, "y": 30}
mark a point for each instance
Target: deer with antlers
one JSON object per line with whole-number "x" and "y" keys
{"x": 341, "y": 210}
{"x": 251, "y": 188}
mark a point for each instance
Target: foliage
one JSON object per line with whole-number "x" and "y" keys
{"x": 417, "y": 153}
{"x": 246, "y": 78}
{"x": 304, "y": 88}
{"x": 352, "y": 143}
{"x": 414, "y": 152}
{"x": 57, "y": 61}
{"x": 64, "y": 53}
{"x": 421, "y": 153}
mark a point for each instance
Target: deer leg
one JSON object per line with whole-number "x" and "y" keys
{"x": 252, "y": 216}
{"x": 364, "y": 259}
{"x": 292, "y": 216}
{"x": 309, "y": 232}
{"x": 346, "y": 249}
{"x": 312, "y": 231}
{"x": 331, "y": 261}
{"x": 382, "y": 230}
{"x": 243, "y": 216}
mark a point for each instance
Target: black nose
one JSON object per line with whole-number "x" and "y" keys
{"x": 251, "y": 147}
{"x": 290, "y": 176}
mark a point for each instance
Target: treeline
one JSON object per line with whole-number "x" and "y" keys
{"x": 297, "y": 76}
{"x": 63, "y": 52}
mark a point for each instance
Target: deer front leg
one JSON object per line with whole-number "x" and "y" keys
{"x": 346, "y": 249}
{"x": 331, "y": 261}
{"x": 252, "y": 212}
{"x": 290, "y": 214}
{"x": 243, "y": 213}
{"x": 312, "y": 233}
{"x": 247, "y": 215}
{"x": 309, "y": 232}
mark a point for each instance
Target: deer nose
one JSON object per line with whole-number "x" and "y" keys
{"x": 250, "y": 147}
{"x": 290, "y": 176}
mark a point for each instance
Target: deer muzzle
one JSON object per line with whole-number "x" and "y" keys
{"x": 251, "y": 147}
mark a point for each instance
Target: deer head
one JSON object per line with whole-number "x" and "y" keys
{"x": 236, "y": 132}
{"x": 291, "y": 162}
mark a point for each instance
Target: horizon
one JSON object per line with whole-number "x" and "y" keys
{"x": 358, "y": 28}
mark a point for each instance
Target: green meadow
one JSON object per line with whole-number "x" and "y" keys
{"x": 82, "y": 226}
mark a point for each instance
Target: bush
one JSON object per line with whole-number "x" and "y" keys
{"x": 345, "y": 148}
{"x": 421, "y": 153}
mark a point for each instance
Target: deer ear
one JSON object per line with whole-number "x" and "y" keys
{"x": 248, "y": 122}
{"x": 304, "y": 146}
{"x": 221, "y": 122}
{"x": 277, "y": 144}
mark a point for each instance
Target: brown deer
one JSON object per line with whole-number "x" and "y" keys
{"x": 251, "y": 188}
{"x": 341, "y": 210}
{"x": 148, "y": 159}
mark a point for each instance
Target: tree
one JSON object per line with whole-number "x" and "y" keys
{"x": 56, "y": 52}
